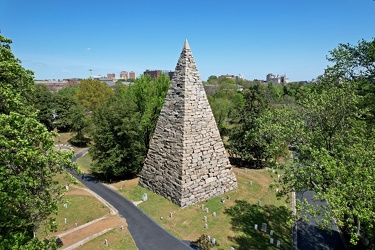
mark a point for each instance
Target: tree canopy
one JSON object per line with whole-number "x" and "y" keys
{"x": 28, "y": 160}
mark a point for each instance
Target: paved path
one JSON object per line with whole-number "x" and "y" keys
{"x": 310, "y": 236}
{"x": 147, "y": 234}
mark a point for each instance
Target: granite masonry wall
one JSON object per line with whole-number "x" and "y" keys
{"x": 186, "y": 162}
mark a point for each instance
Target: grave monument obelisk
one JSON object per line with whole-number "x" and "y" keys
{"x": 186, "y": 161}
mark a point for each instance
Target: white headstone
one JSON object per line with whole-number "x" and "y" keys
{"x": 256, "y": 226}
{"x": 258, "y": 202}
{"x": 205, "y": 218}
{"x": 271, "y": 241}
{"x": 206, "y": 209}
{"x": 271, "y": 232}
{"x": 214, "y": 214}
{"x": 202, "y": 206}
{"x": 264, "y": 227}
{"x": 65, "y": 220}
{"x": 67, "y": 188}
{"x": 144, "y": 197}
{"x": 213, "y": 241}
{"x": 170, "y": 215}
{"x": 106, "y": 242}
{"x": 208, "y": 238}
{"x": 278, "y": 243}
{"x": 251, "y": 182}
{"x": 231, "y": 248}
{"x": 205, "y": 225}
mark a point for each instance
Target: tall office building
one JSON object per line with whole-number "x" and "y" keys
{"x": 132, "y": 75}
{"x": 124, "y": 75}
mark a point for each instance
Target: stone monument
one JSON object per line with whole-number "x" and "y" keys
{"x": 186, "y": 161}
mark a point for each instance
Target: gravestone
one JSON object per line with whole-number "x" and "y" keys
{"x": 186, "y": 161}
{"x": 205, "y": 225}
{"x": 256, "y": 226}
{"x": 278, "y": 243}
{"x": 65, "y": 220}
{"x": 170, "y": 215}
{"x": 205, "y": 218}
{"x": 271, "y": 232}
{"x": 258, "y": 202}
{"x": 214, "y": 214}
{"x": 251, "y": 183}
{"x": 144, "y": 197}
{"x": 264, "y": 227}
{"x": 213, "y": 241}
{"x": 271, "y": 241}
{"x": 206, "y": 209}
{"x": 208, "y": 238}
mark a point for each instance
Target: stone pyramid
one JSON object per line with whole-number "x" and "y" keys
{"x": 186, "y": 161}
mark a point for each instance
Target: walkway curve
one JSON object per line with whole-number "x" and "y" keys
{"x": 147, "y": 234}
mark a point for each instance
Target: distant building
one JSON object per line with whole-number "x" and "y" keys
{"x": 157, "y": 73}
{"x": 124, "y": 75}
{"x": 228, "y": 76}
{"x": 132, "y": 75}
{"x": 277, "y": 79}
{"x": 111, "y": 75}
{"x": 56, "y": 85}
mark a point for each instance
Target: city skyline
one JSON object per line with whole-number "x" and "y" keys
{"x": 66, "y": 39}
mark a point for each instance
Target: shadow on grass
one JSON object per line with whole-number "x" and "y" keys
{"x": 245, "y": 215}
{"x": 251, "y": 164}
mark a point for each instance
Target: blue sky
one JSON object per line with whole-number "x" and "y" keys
{"x": 65, "y": 38}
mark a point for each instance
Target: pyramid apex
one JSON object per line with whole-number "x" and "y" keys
{"x": 186, "y": 44}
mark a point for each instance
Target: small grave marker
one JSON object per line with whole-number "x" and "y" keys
{"x": 214, "y": 214}
{"x": 258, "y": 202}
{"x": 205, "y": 225}
{"x": 206, "y": 209}
{"x": 106, "y": 242}
{"x": 65, "y": 220}
{"x": 278, "y": 243}
{"x": 170, "y": 215}
{"x": 144, "y": 197}
{"x": 271, "y": 232}
{"x": 256, "y": 226}
{"x": 213, "y": 241}
{"x": 231, "y": 248}
{"x": 67, "y": 188}
{"x": 208, "y": 238}
{"x": 264, "y": 227}
{"x": 251, "y": 183}
{"x": 271, "y": 241}
{"x": 205, "y": 218}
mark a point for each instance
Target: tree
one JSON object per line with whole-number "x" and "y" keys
{"x": 241, "y": 142}
{"x": 43, "y": 101}
{"x": 92, "y": 92}
{"x": 149, "y": 95}
{"x": 63, "y": 101}
{"x": 336, "y": 158}
{"x": 28, "y": 161}
{"x": 16, "y": 83}
{"x": 118, "y": 149}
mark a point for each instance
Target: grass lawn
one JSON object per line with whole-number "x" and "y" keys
{"x": 117, "y": 239}
{"x": 80, "y": 209}
{"x": 84, "y": 163}
{"x": 235, "y": 218}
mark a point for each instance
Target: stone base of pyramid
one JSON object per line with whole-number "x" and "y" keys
{"x": 189, "y": 189}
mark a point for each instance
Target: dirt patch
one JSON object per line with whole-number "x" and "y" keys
{"x": 112, "y": 221}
